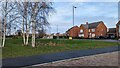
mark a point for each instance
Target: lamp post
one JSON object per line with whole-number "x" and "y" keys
{"x": 57, "y": 32}
{"x": 73, "y": 19}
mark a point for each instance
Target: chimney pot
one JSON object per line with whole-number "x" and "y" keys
{"x": 86, "y": 23}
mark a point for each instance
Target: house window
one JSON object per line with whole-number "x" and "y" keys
{"x": 93, "y": 35}
{"x": 107, "y": 30}
{"x": 90, "y": 34}
{"x": 89, "y": 30}
{"x": 93, "y": 30}
{"x": 81, "y": 35}
{"x": 81, "y": 31}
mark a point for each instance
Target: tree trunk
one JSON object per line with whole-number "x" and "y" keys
{"x": 0, "y": 39}
{"x": 4, "y": 34}
{"x": 0, "y": 33}
{"x": 33, "y": 33}
{"x": 33, "y": 40}
{"x": 27, "y": 36}
{"x": 27, "y": 39}
{"x": 27, "y": 33}
{"x": 34, "y": 23}
{"x": 3, "y": 42}
{"x": 23, "y": 33}
{"x": 27, "y": 27}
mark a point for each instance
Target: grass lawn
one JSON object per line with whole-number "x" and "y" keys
{"x": 14, "y": 47}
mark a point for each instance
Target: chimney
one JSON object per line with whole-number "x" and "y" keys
{"x": 86, "y": 23}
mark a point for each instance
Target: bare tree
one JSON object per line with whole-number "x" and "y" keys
{"x": 23, "y": 11}
{"x": 40, "y": 11}
{"x": 33, "y": 14}
{"x": 35, "y": 9}
{"x": 4, "y": 6}
{"x": 6, "y": 9}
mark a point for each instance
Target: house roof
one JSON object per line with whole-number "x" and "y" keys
{"x": 112, "y": 30}
{"x": 92, "y": 25}
{"x": 118, "y": 23}
{"x": 71, "y": 28}
{"x": 84, "y": 25}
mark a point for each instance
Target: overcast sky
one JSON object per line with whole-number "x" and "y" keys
{"x": 85, "y": 12}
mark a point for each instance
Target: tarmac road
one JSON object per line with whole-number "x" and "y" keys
{"x": 39, "y": 59}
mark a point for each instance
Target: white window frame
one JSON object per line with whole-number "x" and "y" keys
{"x": 81, "y": 30}
{"x": 90, "y": 34}
{"x": 81, "y": 35}
{"x": 93, "y": 35}
{"x": 89, "y": 30}
{"x": 93, "y": 30}
{"x": 107, "y": 30}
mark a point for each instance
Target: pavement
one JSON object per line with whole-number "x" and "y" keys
{"x": 109, "y": 40}
{"x": 92, "y": 60}
{"x": 39, "y": 59}
{"x": 105, "y": 40}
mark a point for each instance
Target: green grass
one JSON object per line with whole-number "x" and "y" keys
{"x": 14, "y": 47}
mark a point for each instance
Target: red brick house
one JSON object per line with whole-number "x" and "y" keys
{"x": 118, "y": 29}
{"x": 73, "y": 32}
{"x": 111, "y": 33}
{"x": 92, "y": 30}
